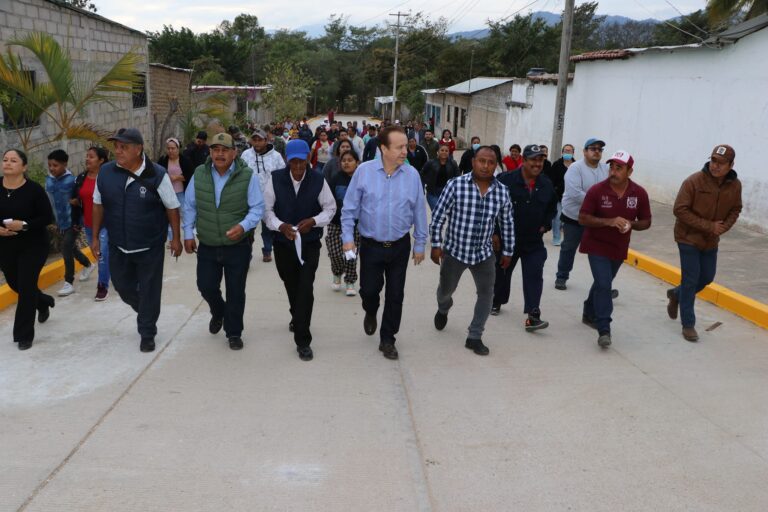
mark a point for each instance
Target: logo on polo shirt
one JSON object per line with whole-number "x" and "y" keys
{"x": 142, "y": 192}
{"x": 632, "y": 202}
{"x": 605, "y": 202}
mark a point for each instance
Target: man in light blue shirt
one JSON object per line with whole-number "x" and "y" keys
{"x": 224, "y": 202}
{"x": 386, "y": 199}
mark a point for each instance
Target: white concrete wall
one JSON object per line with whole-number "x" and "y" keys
{"x": 670, "y": 109}
{"x": 532, "y": 123}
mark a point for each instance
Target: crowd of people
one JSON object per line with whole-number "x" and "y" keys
{"x": 365, "y": 189}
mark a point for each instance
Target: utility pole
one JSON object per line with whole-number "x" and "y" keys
{"x": 469, "y": 95}
{"x": 397, "y": 48}
{"x": 562, "y": 77}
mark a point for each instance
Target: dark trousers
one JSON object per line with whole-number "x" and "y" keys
{"x": 698, "y": 270}
{"x": 22, "y": 270}
{"x": 138, "y": 278}
{"x": 533, "y": 278}
{"x": 571, "y": 240}
{"x": 599, "y": 303}
{"x": 70, "y": 252}
{"x": 231, "y": 262}
{"x": 299, "y": 281}
{"x": 377, "y": 264}
{"x": 267, "y": 237}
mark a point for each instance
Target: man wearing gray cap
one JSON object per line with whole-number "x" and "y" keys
{"x": 135, "y": 200}
{"x": 263, "y": 160}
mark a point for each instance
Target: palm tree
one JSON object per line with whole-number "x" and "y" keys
{"x": 64, "y": 98}
{"x": 720, "y": 10}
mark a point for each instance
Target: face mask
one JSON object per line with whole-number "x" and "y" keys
{"x": 285, "y": 134}
{"x": 475, "y": 147}
{"x": 567, "y": 156}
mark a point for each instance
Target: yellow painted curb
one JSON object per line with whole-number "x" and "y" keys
{"x": 50, "y": 275}
{"x": 750, "y": 309}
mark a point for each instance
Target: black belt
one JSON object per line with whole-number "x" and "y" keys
{"x": 371, "y": 241}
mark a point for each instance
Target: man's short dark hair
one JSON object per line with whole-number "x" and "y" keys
{"x": 474, "y": 137}
{"x": 385, "y": 133}
{"x": 489, "y": 148}
{"x": 516, "y": 146}
{"x": 59, "y": 155}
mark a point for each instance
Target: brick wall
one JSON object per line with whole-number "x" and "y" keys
{"x": 94, "y": 44}
{"x": 169, "y": 90}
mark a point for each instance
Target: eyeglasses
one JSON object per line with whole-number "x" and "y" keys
{"x": 597, "y": 150}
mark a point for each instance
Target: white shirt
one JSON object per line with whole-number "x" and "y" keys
{"x": 326, "y": 200}
{"x": 165, "y": 191}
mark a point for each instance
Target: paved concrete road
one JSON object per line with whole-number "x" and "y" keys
{"x": 547, "y": 422}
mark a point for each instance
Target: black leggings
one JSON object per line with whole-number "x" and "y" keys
{"x": 21, "y": 266}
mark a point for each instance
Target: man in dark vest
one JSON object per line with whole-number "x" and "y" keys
{"x": 223, "y": 200}
{"x": 135, "y": 201}
{"x": 298, "y": 203}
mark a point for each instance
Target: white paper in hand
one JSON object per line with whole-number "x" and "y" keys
{"x": 297, "y": 242}
{"x": 350, "y": 255}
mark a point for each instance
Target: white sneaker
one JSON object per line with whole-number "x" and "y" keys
{"x": 351, "y": 292}
{"x": 87, "y": 271}
{"x": 67, "y": 289}
{"x": 336, "y": 286}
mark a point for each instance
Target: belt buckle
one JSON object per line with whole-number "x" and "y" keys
{"x": 386, "y": 244}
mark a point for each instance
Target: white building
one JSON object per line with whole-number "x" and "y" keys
{"x": 668, "y": 106}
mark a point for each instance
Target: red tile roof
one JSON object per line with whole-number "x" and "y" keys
{"x": 602, "y": 55}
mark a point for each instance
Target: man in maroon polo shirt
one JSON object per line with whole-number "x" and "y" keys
{"x": 610, "y": 211}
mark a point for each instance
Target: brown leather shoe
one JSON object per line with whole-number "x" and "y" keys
{"x": 690, "y": 334}
{"x": 266, "y": 258}
{"x": 673, "y": 304}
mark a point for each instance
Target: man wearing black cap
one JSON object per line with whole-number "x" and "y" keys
{"x": 581, "y": 175}
{"x": 263, "y": 160}
{"x": 298, "y": 203}
{"x": 197, "y": 152}
{"x": 135, "y": 200}
{"x": 534, "y": 203}
{"x": 707, "y": 205}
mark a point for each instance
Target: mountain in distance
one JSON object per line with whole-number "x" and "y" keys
{"x": 551, "y": 19}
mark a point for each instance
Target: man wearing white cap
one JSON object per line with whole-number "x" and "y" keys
{"x": 610, "y": 211}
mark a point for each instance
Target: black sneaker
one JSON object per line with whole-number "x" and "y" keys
{"x": 369, "y": 324}
{"x": 440, "y": 320}
{"x": 305, "y": 353}
{"x": 214, "y": 326}
{"x": 235, "y": 342}
{"x": 388, "y": 349}
{"x": 534, "y": 323}
{"x": 495, "y": 309}
{"x": 477, "y": 347}
{"x": 560, "y": 284}
{"x": 24, "y": 345}
{"x": 147, "y": 345}
{"x": 44, "y": 313}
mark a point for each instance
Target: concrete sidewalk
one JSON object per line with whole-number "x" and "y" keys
{"x": 547, "y": 422}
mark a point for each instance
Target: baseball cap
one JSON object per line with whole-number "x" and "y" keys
{"x": 532, "y": 151}
{"x": 222, "y": 139}
{"x": 296, "y": 148}
{"x": 258, "y": 132}
{"x": 202, "y": 135}
{"x": 622, "y": 157}
{"x": 725, "y": 151}
{"x": 128, "y": 136}
{"x": 593, "y": 140}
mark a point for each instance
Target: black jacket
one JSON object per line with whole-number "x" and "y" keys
{"x": 369, "y": 152}
{"x": 418, "y": 158}
{"x": 556, "y": 174}
{"x": 430, "y": 170}
{"x": 187, "y": 167}
{"x": 465, "y": 165}
{"x": 532, "y": 210}
{"x": 196, "y": 155}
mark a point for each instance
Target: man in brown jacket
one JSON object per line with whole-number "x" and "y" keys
{"x": 708, "y": 204}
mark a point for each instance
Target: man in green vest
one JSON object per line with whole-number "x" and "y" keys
{"x": 224, "y": 203}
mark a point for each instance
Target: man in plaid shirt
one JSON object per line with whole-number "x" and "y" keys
{"x": 471, "y": 204}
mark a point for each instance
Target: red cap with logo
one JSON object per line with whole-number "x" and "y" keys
{"x": 622, "y": 157}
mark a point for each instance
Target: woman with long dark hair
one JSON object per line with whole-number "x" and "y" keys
{"x": 25, "y": 213}
{"x": 447, "y": 140}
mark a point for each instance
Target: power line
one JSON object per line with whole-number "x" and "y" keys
{"x": 687, "y": 18}
{"x": 670, "y": 24}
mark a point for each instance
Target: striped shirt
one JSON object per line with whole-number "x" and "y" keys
{"x": 472, "y": 219}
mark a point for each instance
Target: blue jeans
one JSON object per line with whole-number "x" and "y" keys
{"x": 432, "y": 200}
{"x": 698, "y": 270}
{"x": 599, "y": 303}
{"x": 556, "y": 224}
{"x": 104, "y": 258}
{"x": 571, "y": 240}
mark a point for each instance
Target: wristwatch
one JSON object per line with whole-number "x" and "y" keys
{"x": 24, "y": 225}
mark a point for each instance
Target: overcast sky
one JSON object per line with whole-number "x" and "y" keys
{"x": 203, "y": 15}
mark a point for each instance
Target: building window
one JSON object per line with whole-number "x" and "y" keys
{"x": 463, "y": 118}
{"x": 15, "y": 116}
{"x": 140, "y": 92}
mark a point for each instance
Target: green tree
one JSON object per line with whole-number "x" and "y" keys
{"x": 721, "y": 10}
{"x": 291, "y": 88}
{"x": 82, "y": 4}
{"x": 173, "y": 47}
{"x": 522, "y": 43}
{"x": 684, "y": 30}
{"x": 66, "y": 96}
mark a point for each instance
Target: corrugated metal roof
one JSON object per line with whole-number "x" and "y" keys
{"x": 166, "y": 66}
{"x": 477, "y": 84}
{"x": 383, "y": 99}
{"x": 736, "y": 32}
{"x": 221, "y": 88}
